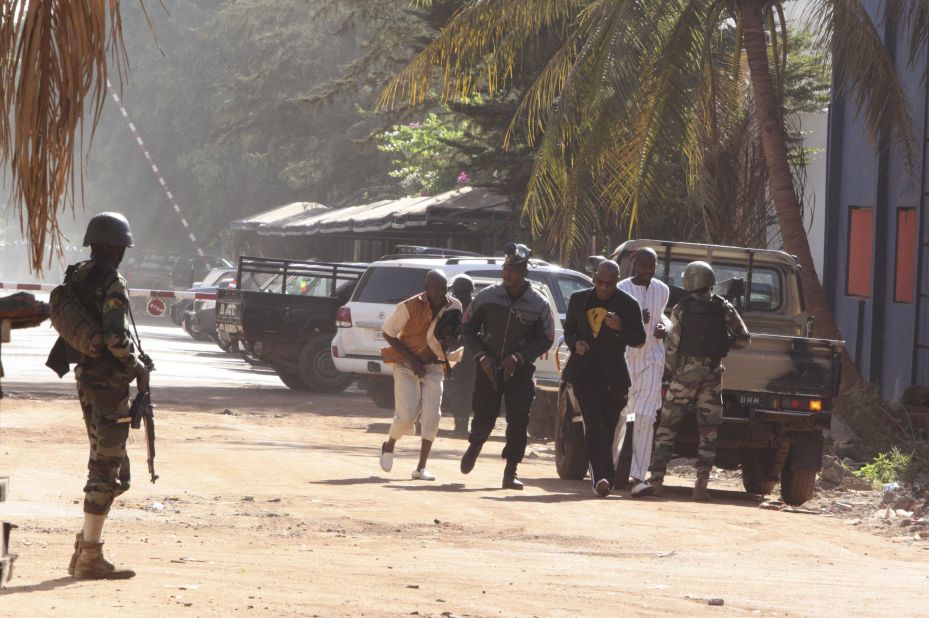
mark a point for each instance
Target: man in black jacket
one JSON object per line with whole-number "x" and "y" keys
{"x": 508, "y": 326}
{"x": 601, "y": 322}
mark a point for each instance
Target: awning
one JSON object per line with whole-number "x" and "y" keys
{"x": 464, "y": 205}
{"x": 277, "y": 215}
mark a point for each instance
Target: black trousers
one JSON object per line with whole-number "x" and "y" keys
{"x": 600, "y": 402}
{"x": 518, "y": 393}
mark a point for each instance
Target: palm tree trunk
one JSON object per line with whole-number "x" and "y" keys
{"x": 786, "y": 204}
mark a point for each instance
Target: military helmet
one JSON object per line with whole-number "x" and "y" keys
{"x": 698, "y": 276}
{"x": 108, "y": 228}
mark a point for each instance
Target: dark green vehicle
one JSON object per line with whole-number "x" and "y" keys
{"x": 777, "y": 394}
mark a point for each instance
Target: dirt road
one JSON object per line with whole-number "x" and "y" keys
{"x": 278, "y": 508}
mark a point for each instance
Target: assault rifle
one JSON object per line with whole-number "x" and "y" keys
{"x": 142, "y": 411}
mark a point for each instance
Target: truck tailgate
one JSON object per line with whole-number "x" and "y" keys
{"x": 785, "y": 365}
{"x": 229, "y": 313}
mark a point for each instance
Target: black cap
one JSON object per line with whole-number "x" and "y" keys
{"x": 516, "y": 254}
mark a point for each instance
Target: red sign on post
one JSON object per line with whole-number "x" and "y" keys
{"x": 156, "y": 307}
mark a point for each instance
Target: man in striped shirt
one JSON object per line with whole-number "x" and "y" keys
{"x": 646, "y": 366}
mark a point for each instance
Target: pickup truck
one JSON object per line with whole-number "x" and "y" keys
{"x": 777, "y": 394}
{"x": 289, "y": 322}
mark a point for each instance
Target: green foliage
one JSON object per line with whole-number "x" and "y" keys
{"x": 426, "y": 160}
{"x": 883, "y": 432}
{"x": 889, "y": 467}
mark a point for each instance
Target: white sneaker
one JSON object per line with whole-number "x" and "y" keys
{"x": 422, "y": 475}
{"x": 387, "y": 458}
{"x": 642, "y": 489}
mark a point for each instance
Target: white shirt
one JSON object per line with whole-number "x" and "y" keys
{"x": 654, "y": 299}
{"x": 397, "y": 320}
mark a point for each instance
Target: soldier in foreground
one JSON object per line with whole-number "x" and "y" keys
{"x": 704, "y": 328}
{"x": 103, "y": 389}
{"x": 508, "y": 325}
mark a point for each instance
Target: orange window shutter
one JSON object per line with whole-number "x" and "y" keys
{"x": 860, "y": 251}
{"x": 905, "y": 284}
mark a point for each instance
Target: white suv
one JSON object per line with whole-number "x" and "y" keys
{"x": 358, "y": 340}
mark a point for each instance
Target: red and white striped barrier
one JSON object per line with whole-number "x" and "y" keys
{"x": 155, "y": 170}
{"x": 164, "y": 294}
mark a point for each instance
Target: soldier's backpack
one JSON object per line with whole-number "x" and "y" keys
{"x": 75, "y": 323}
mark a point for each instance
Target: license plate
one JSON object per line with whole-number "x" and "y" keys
{"x": 752, "y": 400}
{"x": 379, "y": 335}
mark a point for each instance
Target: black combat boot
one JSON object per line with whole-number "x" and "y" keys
{"x": 470, "y": 458}
{"x": 509, "y": 477}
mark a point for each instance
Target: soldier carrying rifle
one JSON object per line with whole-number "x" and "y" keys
{"x": 104, "y": 373}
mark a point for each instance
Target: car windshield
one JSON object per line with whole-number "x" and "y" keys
{"x": 390, "y": 285}
{"x": 767, "y": 290}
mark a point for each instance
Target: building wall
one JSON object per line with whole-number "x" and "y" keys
{"x": 880, "y": 332}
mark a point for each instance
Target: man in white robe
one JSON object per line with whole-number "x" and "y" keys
{"x": 646, "y": 367}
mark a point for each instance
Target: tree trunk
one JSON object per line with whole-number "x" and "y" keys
{"x": 786, "y": 204}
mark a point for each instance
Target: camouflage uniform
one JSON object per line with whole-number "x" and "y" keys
{"x": 103, "y": 385}
{"x": 696, "y": 383}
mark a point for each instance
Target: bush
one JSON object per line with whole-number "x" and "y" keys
{"x": 887, "y": 468}
{"x": 884, "y": 434}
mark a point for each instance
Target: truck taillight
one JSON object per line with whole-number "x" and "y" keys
{"x": 335, "y": 351}
{"x": 343, "y": 318}
{"x": 802, "y": 404}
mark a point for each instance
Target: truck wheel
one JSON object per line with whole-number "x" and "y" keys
{"x": 543, "y": 415}
{"x": 317, "y": 369}
{"x": 292, "y": 381}
{"x": 797, "y": 485}
{"x": 755, "y": 465}
{"x": 381, "y": 393}
{"x": 570, "y": 450}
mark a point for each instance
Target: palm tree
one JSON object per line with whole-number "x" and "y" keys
{"x": 53, "y": 65}
{"x": 632, "y": 74}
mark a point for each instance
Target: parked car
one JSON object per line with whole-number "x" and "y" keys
{"x": 290, "y": 321}
{"x": 777, "y": 394}
{"x": 359, "y": 338}
{"x": 214, "y": 280}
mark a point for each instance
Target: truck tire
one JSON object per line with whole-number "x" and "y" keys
{"x": 797, "y": 486}
{"x": 570, "y": 450}
{"x": 317, "y": 370}
{"x": 755, "y": 465}
{"x": 543, "y": 415}
{"x": 381, "y": 392}
{"x": 292, "y": 381}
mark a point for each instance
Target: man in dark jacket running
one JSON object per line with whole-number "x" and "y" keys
{"x": 601, "y": 322}
{"x": 508, "y": 326}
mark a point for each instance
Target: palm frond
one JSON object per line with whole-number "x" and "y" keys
{"x": 479, "y": 48}
{"x": 53, "y": 66}
{"x": 864, "y": 72}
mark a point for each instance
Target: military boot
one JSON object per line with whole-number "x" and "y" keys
{"x": 78, "y": 544}
{"x": 91, "y": 564}
{"x": 509, "y": 477}
{"x": 701, "y": 493}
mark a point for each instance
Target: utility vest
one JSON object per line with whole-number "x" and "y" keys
{"x": 704, "y": 332}
{"x": 76, "y": 307}
{"x": 415, "y": 334}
